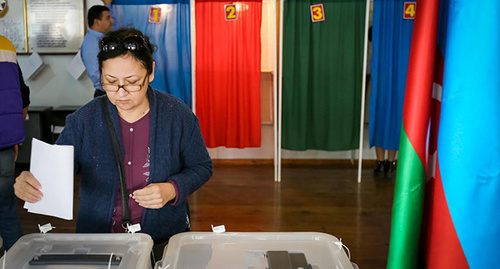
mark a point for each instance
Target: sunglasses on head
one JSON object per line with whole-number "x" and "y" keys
{"x": 132, "y": 43}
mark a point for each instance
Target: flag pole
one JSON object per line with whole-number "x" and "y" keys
{"x": 275, "y": 96}
{"x": 280, "y": 89}
{"x": 363, "y": 92}
{"x": 193, "y": 57}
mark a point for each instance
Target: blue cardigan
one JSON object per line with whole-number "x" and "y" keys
{"x": 177, "y": 152}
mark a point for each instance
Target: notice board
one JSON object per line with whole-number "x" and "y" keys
{"x": 44, "y": 26}
{"x": 12, "y": 24}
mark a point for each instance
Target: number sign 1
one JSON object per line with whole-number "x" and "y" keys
{"x": 154, "y": 15}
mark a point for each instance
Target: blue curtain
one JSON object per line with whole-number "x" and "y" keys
{"x": 391, "y": 50}
{"x": 171, "y": 37}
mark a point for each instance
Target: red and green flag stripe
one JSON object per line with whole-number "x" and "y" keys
{"x": 410, "y": 179}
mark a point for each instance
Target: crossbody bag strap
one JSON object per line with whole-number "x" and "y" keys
{"x": 119, "y": 161}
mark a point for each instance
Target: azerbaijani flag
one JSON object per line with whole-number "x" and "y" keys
{"x": 467, "y": 179}
{"x": 461, "y": 223}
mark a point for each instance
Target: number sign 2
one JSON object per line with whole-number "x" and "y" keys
{"x": 231, "y": 12}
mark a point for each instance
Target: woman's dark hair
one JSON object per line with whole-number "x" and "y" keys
{"x": 142, "y": 51}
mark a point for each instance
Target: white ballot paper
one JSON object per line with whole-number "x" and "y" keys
{"x": 52, "y": 166}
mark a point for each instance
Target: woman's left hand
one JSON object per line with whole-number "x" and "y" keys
{"x": 154, "y": 195}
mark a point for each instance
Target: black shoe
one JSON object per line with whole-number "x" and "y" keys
{"x": 379, "y": 169}
{"x": 389, "y": 168}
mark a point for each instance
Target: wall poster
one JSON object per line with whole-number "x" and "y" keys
{"x": 12, "y": 23}
{"x": 55, "y": 26}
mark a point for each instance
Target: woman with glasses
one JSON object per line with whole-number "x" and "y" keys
{"x": 158, "y": 139}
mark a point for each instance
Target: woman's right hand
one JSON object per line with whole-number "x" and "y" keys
{"x": 27, "y": 188}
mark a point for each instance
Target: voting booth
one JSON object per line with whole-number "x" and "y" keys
{"x": 69, "y": 251}
{"x": 284, "y": 250}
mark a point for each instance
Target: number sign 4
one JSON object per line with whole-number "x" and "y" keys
{"x": 409, "y": 10}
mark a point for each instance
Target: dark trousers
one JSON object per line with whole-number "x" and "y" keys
{"x": 10, "y": 226}
{"x": 158, "y": 249}
{"x": 157, "y": 252}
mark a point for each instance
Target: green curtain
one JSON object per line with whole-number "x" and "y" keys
{"x": 322, "y": 75}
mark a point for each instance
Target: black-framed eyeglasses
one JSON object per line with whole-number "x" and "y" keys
{"x": 113, "y": 87}
{"x": 132, "y": 43}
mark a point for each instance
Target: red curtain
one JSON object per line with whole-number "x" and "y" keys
{"x": 228, "y": 55}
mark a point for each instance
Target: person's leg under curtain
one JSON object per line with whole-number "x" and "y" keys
{"x": 379, "y": 169}
{"x": 390, "y": 165}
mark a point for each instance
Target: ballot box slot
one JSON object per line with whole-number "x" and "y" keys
{"x": 76, "y": 259}
{"x": 286, "y": 260}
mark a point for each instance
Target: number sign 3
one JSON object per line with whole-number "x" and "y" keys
{"x": 317, "y": 13}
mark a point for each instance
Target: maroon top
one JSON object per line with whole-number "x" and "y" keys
{"x": 135, "y": 137}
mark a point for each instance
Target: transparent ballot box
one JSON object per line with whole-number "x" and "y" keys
{"x": 195, "y": 250}
{"x": 43, "y": 251}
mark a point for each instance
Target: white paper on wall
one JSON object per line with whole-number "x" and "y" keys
{"x": 76, "y": 68}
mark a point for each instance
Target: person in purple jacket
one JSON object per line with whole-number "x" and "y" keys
{"x": 165, "y": 158}
{"x": 14, "y": 102}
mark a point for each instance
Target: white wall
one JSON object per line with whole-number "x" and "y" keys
{"x": 266, "y": 151}
{"x": 54, "y": 86}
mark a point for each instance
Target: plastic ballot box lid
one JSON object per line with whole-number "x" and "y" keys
{"x": 42, "y": 251}
{"x": 307, "y": 250}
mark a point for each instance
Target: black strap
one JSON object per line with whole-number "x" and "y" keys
{"x": 75, "y": 259}
{"x": 119, "y": 161}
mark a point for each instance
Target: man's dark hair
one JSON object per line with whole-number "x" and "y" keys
{"x": 95, "y": 12}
